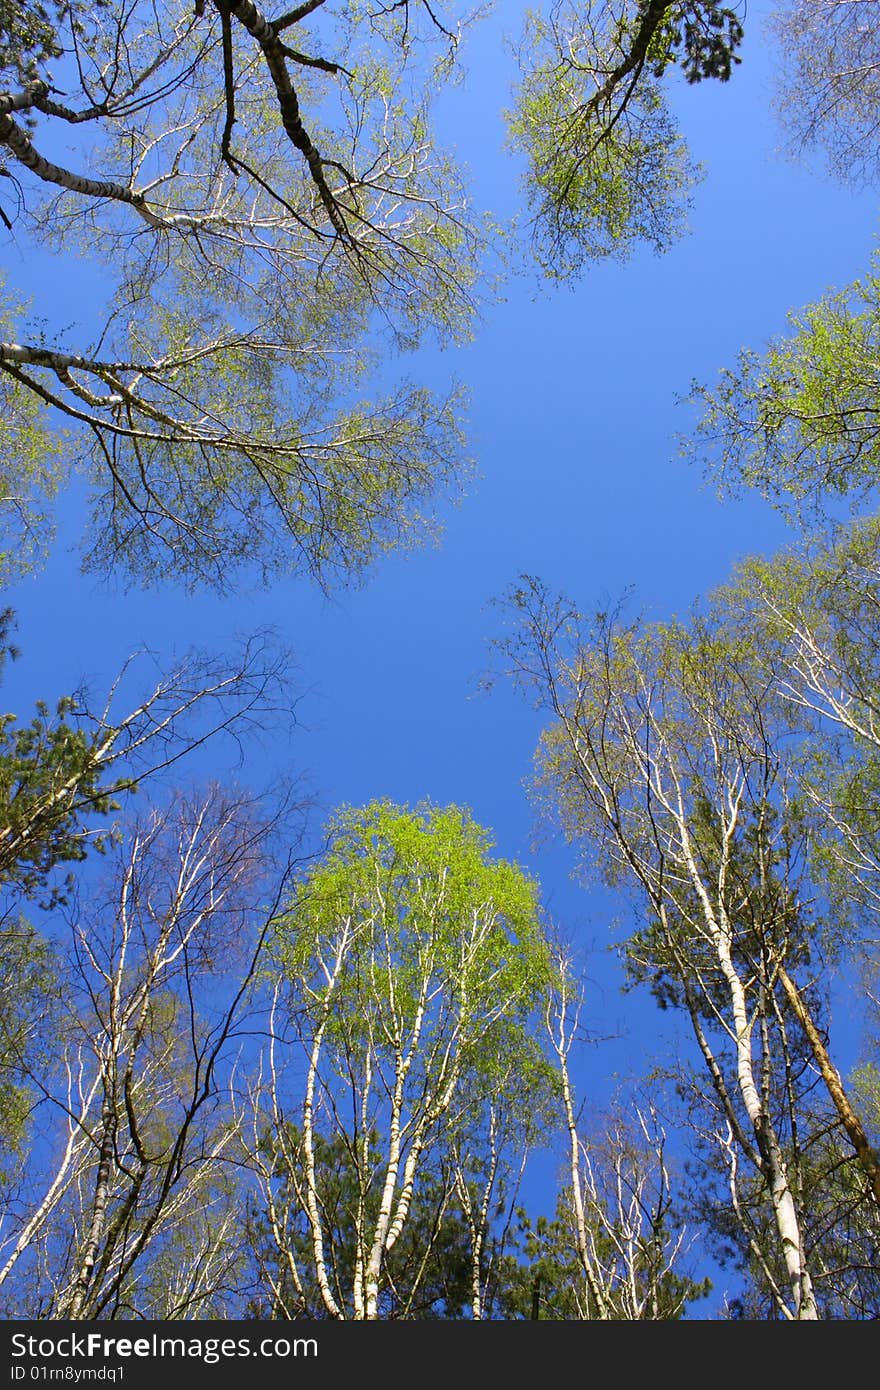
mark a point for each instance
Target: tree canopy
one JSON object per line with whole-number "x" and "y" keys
{"x": 261, "y": 197}
{"x": 797, "y": 421}
{"x": 253, "y": 1066}
{"x": 415, "y": 962}
{"x": 260, "y": 202}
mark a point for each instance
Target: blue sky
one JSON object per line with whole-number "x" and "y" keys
{"x": 573, "y": 420}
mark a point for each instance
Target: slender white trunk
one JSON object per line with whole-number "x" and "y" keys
{"x": 56, "y": 1188}
{"x": 781, "y": 1198}
{"x": 99, "y": 1211}
{"x": 311, "y": 1185}
{"x": 561, "y": 1043}
{"x": 772, "y": 1161}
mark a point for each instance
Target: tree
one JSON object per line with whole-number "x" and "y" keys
{"x": 51, "y": 773}
{"x": 64, "y": 768}
{"x": 828, "y": 94}
{"x": 630, "y": 1234}
{"x": 263, "y": 196}
{"x": 129, "y": 1175}
{"x": 799, "y": 422}
{"x": 665, "y": 762}
{"x": 64, "y": 781}
{"x": 509, "y": 1108}
{"x": 818, "y": 608}
{"x": 427, "y": 1272}
{"x": 613, "y": 1249}
{"x": 607, "y": 165}
{"x": 411, "y": 963}
{"x": 815, "y": 607}
{"x": 728, "y": 1203}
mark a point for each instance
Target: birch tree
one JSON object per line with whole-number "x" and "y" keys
{"x": 727, "y": 1202}
{"x": 616, "y": 1246}
{"x": 828, "y": 93}
{"x": 129, "y": 1166}
{"x": 817, "y": 607}
{"x": 664, "y": 763}
{"x": 262, "y": 195}
{"x": 508, "y": 1111}
{"x": 412, "y": 960}
{"x": 427, "y": 1273}
{"x": 66, "y": 778}
{"x": 798, "y": 421}
{"x": 608, "y": 167}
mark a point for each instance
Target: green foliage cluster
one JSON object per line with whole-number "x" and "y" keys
{"x": 798, "y": 421}
{"x": 706, "y": 36}
{"x": 28, "y": 37}
{"x": 600, "y": 179}
{"x": 50, "y": 781}
{"x": 418, "y": 894}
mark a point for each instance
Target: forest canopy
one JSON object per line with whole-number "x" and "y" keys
{"x": 278, "y": 1050}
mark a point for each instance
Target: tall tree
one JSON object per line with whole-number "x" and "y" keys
{"x": 798, "y": 422}
{"x": 607, "y": 165}
{"x": 412, "y": 961}
{"x": 665, "y": 762}
{"x": 129, "y": 1169}
{"x": 614, "y": 1248}
{"x": 817, "y": 609}
{"x": 65, "y": 781}
{"x": 828, "y": 92}
{"x": 427, "y": 1272}
{"x": 262, "y": 196}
